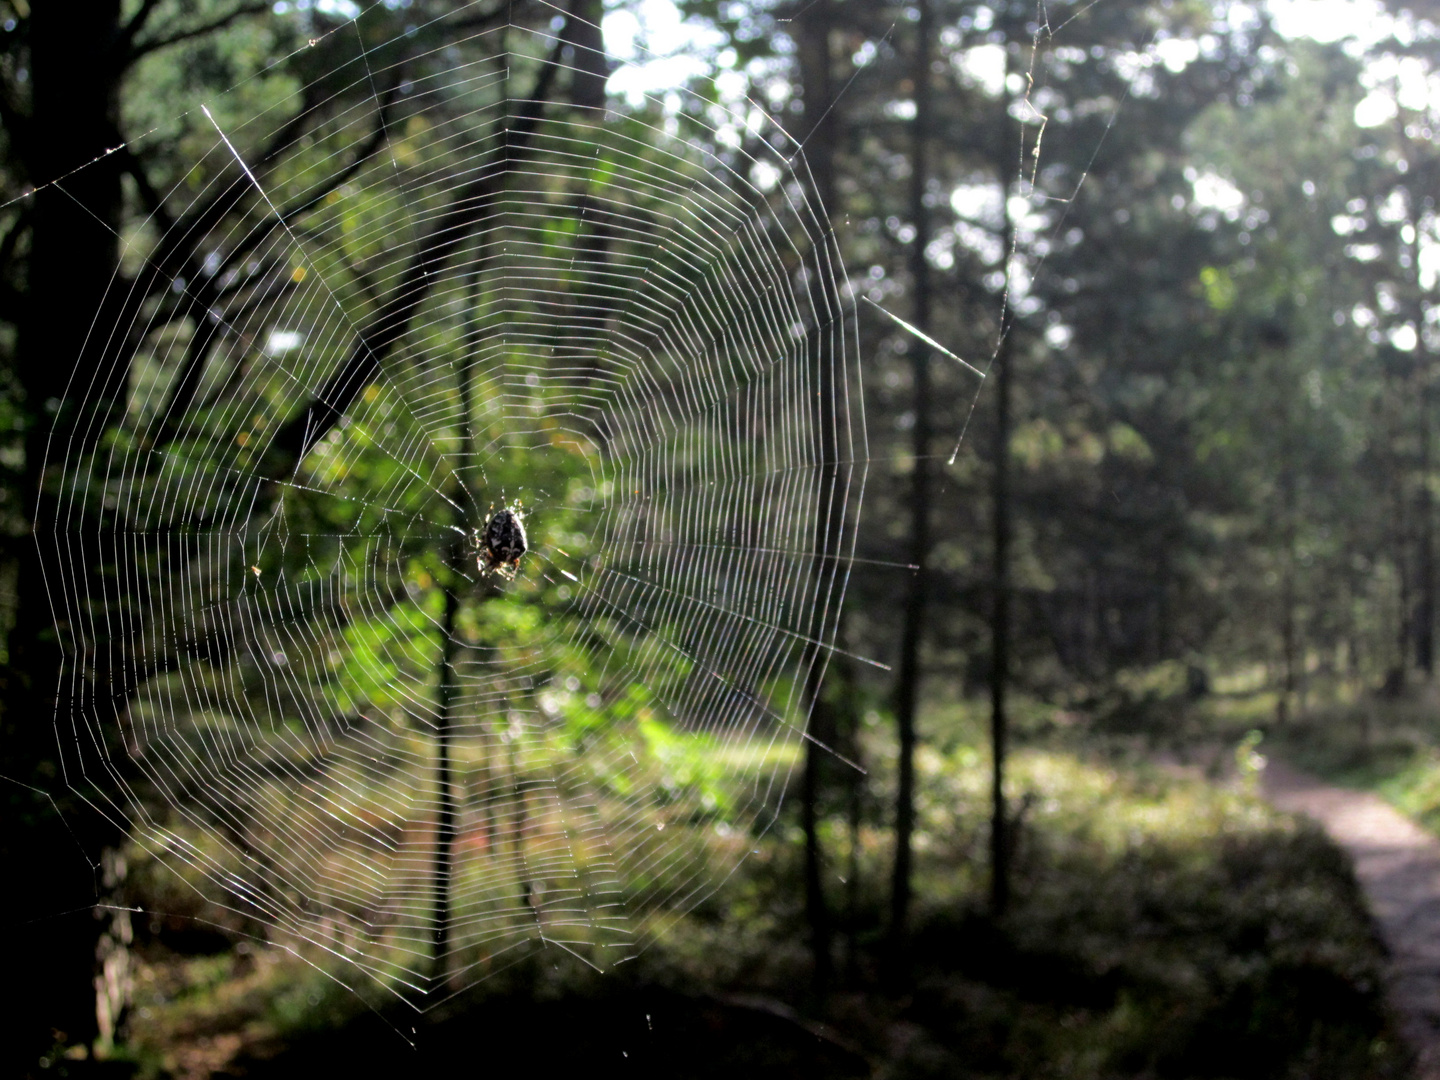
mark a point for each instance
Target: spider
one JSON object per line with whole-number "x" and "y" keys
{"x": 499, "y": 546}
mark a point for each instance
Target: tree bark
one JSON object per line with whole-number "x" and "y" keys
{"x": 444, "y": 781}
{"x": 909, "y": 674}
{"x": 591, "y": 68}
{"x": 817, "y": 127}
{"x": 1425, "y": 512}
{"x": 1423, "y": 635}
{"x": 1000, "y": 370}
{"x": 73, "y": 256}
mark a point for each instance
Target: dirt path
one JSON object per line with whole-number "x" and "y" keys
{"x": 1398, "y": 865}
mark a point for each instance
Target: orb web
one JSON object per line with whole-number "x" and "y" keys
{"x": 415, "y": 289}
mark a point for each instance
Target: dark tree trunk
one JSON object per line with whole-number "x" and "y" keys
{"x": 73, "y": 257}
{"x": 444, "y": 782}
{"x": 1425, "y": 532}
{"x": 1422, "y": 635}
{"x": 76, "y": 64}
{"x": 1289, "y": 626}
{"x": 817, "y": 132}
{"x": 1405, "y": 619}
{"x": 587, "y": 81}
{"x": 1000, "y": 370}
{"x": 1287, "y": 642}
{"x": 854, "y": 797}
{"x": 908, "y": 678}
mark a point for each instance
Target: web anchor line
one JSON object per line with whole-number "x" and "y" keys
{"x": 915, "y": 331}
{"x": 758, "y": 622}
{"x": 799, "y": 730}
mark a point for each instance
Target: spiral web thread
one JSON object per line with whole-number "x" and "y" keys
{"x": 264, "y": 574}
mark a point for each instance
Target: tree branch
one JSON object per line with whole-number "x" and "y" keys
{"x": 135, "y": 25}
{"x": 207, "y": 329}
{"x": 178, "y": 253}
{"x": 272, "y": 222}
{"x": 144, "y": 48}
{"x": 502, "y": 13}
{"x": 375, "y": 341}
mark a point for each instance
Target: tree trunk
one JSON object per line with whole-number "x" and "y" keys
{"x": 908, "y": 678}
{"x": 817, "y": 133}
{"x": 1000, "y": 370}
{"x": 444, "y": 724}
{"x": 1424, "y": 636}
{"x": 591, "y": 68}
{"x": 853, "y": 806}
{"x": 72, "y": 261}
{"x": 1287, "y": 640}
{"x": 1404, "y": 616}
{"x": 1423, "y": 617}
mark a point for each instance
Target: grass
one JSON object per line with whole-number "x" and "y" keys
{"x": 1162, "y": 927}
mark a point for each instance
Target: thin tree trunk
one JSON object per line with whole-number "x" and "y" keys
{"x": 848, "y": 724}
{"x": 818, "y": 135}
{"x": 113, "y": 980}
{"x": 908, "y": 678}
{"x": 591, "y": 66}
{"x": 444, "y": 725}
{"x": 1000, "y": 371}
{"x": 1423, "y": 616}
{"x": 1287, "y": 640}
{"x": 456, "y": 556}
{"x": 816, "y": 911}
{"x": 853, "y": 809}
{"x": 1405, "y": 618}
{"x": 1425, "y": 531}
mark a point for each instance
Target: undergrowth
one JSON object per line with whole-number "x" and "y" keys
{"x": 1161, "y": 927}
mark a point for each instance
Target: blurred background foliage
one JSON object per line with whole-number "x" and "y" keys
{"x": 1195, "y": 257}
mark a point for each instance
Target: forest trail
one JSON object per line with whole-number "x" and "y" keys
{"x": 1398, "y": 866}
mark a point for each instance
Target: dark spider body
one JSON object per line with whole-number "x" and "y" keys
{"x": 502, "y": 543}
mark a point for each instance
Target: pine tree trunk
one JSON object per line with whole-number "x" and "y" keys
{"x": 73, "y": 256}
{"x": 444, "y": 781}
{"x": 817, "y": 133}
{"x": 909, "y": 675}
{"x": 1000, "y": 371}
{"x": 1424, "y": 635}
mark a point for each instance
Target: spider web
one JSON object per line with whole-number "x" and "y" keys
{"x": 400, "y": 296}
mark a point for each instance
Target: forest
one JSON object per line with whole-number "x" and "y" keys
{"x": 718, "y": 537}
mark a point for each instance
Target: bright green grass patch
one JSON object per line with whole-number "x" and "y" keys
{"x": 754, "y": 757}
